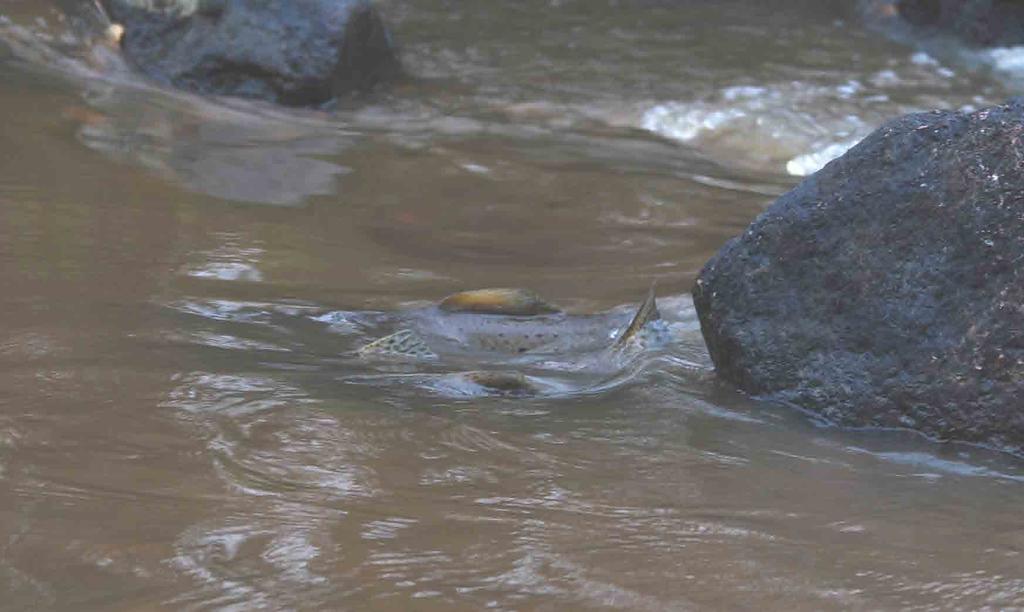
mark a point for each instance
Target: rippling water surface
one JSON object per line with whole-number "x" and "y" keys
{"x": 183, "y": 423}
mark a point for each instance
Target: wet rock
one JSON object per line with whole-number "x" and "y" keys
{"x": 299, "y": 52}
{"x": 888, "y": 289}
{"x": 975, "y": 23}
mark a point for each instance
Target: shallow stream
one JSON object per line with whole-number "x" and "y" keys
{"x": 183, "y": 282}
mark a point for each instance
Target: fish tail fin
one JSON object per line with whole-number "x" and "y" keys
{"x": 403, "y": 343}
{"x": 101, "y": 12}
{"x": 647, "y": 313}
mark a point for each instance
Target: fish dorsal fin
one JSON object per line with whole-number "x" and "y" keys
{"x": 404, "y": 343}
{"x": 516, "y": 302}
{"x": 647, "y": 312}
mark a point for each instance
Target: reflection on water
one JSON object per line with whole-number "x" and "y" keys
{"x": 222, "y": 152}
{"x": 183, "y": 422}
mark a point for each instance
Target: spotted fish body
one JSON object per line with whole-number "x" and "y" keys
{"x": 404, "y": 342}
{"x": 517, "y": 335}
{"x": 505, "y": 326}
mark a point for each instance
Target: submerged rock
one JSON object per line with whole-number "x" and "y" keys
{"x": 888, "y": 289}
{"x": 298, "y": 52}
{"x": 975, "y": 23}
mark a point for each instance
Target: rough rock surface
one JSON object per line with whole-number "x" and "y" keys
{"x": 888, "y": 289}
{"x": 294, "y": 52}
{"x": 975, "y": 23}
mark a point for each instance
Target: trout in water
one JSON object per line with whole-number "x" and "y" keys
{"x": 516, "y": 327}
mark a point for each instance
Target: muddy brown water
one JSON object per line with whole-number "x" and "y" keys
{"x": 182, "y": 279}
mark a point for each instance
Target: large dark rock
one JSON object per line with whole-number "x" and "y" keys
{"x": 888, "y": 289}
{"x": 974, "y": 23}
{"x": 294, "y": 52}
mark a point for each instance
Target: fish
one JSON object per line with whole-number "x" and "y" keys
{"x": 515, "y": 325}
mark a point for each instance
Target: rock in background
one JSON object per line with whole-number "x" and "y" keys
{"x": 888, "y": 289}
{"x": 973, "y": 23}
{"x": 295, "y": 52}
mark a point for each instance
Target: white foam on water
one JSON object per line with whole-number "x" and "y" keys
{"x": 683, "y": 122}
{"x": 799, "y": 126}
{"x": 809, "y": 163}
{"x": 923, "y": 59}
{"x": 791, "y": 126}
{"x": 1009, "y": 60}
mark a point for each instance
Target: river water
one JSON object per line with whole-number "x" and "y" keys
{"x": 183, "y": 426}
